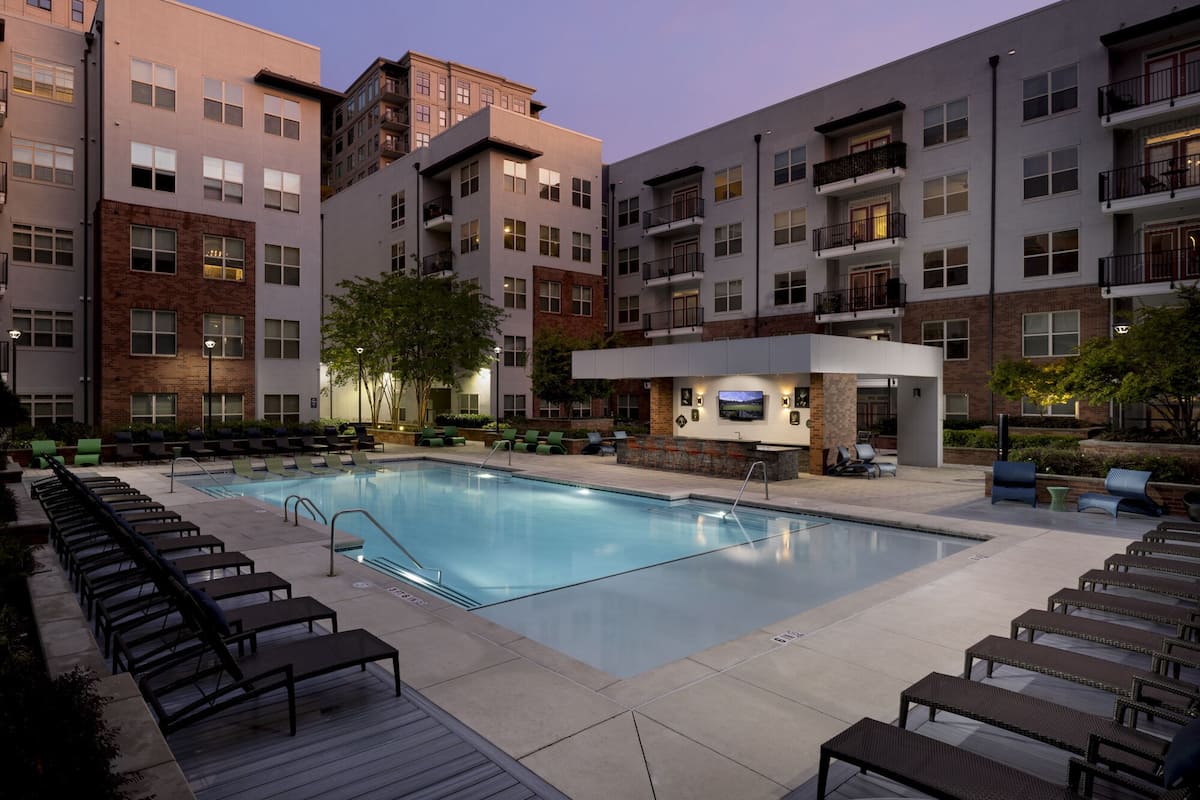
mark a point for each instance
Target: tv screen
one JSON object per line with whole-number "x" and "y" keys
{"x": 740, "y": 406}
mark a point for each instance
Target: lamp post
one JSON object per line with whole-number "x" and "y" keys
{"x": 14, "y": 334}
{"x": 209, "y": 346}
{"x": 499, "y": 399}
{"x": 359, "y": 350}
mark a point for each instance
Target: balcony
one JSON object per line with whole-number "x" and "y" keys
{"x": 392, "y": 90}
{"x": 673, "y": 270}
{"x": 438, "y": 265}
{"x": 391, "y": 146}
{"x": 3, "y": 97}
{"x": 1149, "y": 184}
{"x": 677, "y": 322}
{"x": 860, "y": 236}
{"x": 3, "y": 183}
{"x": 393, "y": 119}
{"x": 436, "y": 214}
{"x": 1148, "y": 273}
{"x": 3, "y": 274}
{"x": 858, "y": 170}
{"x": 862, "y": 302}
{"x": 681, "y": 216}
{"x": 1152, "y": 97}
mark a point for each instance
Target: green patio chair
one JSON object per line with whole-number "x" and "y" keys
{"x": 244, "y": 469}
{"x": 361, "y": 462}
{"x": 450, "y": 436}
{"x": 275, "y": 467}
{"x": 44, "y": 451}
{"x": 335, "y": 464}
{"x": 554, "y": 445}
{"x": 429, "y": 438}
{"x": 509, "y": 435}
{"x": 529, "y": 444}
{"x": 306, "y": 465}
{"x": 87, "y": 451}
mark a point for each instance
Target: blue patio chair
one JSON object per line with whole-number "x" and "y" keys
{"x": 1014, "y": 480}
{"x": 1124, "y": 490}
{"x": 866, "y": 454}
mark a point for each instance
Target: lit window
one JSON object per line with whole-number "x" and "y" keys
{"x": 224, "y": 258}
{"x": 790, "y": 226}
{"x": 48, "y": 80}
{"x": 514, "y": 234}
{"x": 469, "y": 237}
{"x": 514, "y": 292}
{"x": 468, "y": 404}
{"x": 727, "y": 183}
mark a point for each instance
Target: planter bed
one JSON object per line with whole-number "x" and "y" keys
{"x": 1165, "y": 494}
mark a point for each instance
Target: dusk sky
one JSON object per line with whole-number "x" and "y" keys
{"x": 634, "y": 74}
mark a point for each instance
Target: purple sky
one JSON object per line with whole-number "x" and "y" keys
{"x": 635, "y": 74}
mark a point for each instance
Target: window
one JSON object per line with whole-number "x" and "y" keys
{"x": 227, "y": 331}
{"x": 627, "y": 212}
{"x": 727, "y": 296}
{"x": 443, "y": 118}
{"x": 39, "y": 161}
{"x": 1052, "y": 333}
{"x": 422, "y": 113}
{"x": 518, "y": 106}
{"x": 469, "y": 237}
{"x": 1050, "y": 93}
{"x": 422, "y": 139}
{"x": 283, "y": 409}
{"x": 514, "y": 234}
{"x": 514, "y": 351}
{"x": 462, "y": 93}
{"x": 397, "y": 209}
{"x": 1032, "y": 409}
{"x": 223, "y": 102}
{"x": 548, "y": 184}
{"x": 581, "y": 301}
{"x": 514, "y": 292}
{"x": 946, "y": 195}
{"x": 42, "y": 4}
{"x": 957, "y": 406}
{"x": 225, "y": 407}
{"x": 441, "y": 87}
{"x": 152, "y": 84}
{"x": 152, "y": 409}
{"x": 945, "y": 267}
{"x": 222, "y": 180}
{"x": 48, "y": 409}
{"x": 281, "y": 117}
{"x": 581, "y": 246}
{"x": 548, "y": 240}
{"x": 51, "y": 247}
{"x": 728, "y": 239}
{"x": 422, "y": 83}
{"x": 76, "y": 10}
{"x": 790, "y": 226}
{"x": 550, "y": 296}
{"x": 627, "y": 261}
{"x": 581, "y": 409}
{"x": 946, "y": 122}
{"x": 790, "y": 165}
{"x": 152, "y": 167}
{"x": 581, "y": 193}
{"x": 468, "y": 404}
{"x": 281, "y": 264}
{"x": 1055, "y": 253}
{"x": 791, "y": 288}
{"x": 952, "y": 335}
{"x": 549, "y": 409}
{"x": 468, "y": 179}
{"x": 628, "y": 310}
{"x": 281, "y": 338}
{"x": 282, "y": 190}
{"x": 1051, "y": 173}
{"x": 48, "y": 80}
{"x": 487, "y": 96}
{"x": 44, "y": 329}
{"x": 627, "y": 406}
{"x": 224, "y": 258}
{"x": 151, "y": 249}
{"x": 514, "y": 405}
{"x": 151, "y": 333}
{"x": 727, "y": 183}
{"x": 514, "y": 176}
{"x": 398, "y": 256}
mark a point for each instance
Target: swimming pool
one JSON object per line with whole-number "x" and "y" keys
{"x": 619, "y": 581}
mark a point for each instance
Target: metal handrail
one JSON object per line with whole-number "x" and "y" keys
{"x": 749, "y": 472}
{"x": 198, "y": 464}
{"x": 681, "y": 264}
{"x": 685, "y": 208}
{"x": 382, "y": 530}
{"x": 860, "y": 231}
{"x": 1151, "y": 87}
{"x": 506, "y": 444}
{"x": 891, "y": 156}
{"x": 1181, "y": 264}
{"x": 301, "y": 500}
{"x": 689, "y": 317}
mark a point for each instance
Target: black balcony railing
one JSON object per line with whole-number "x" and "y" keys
{"x": 441, "y": 261}
{"x": 1163, "y": 266}
{"x": 3, "y": 182}
{"x": 891, "y": 294}
{"x": 438, "y": 207}
{"x": 391, "y": 145}
{"x": 690, "y": 317}
{"x": 1152, "y": 87}
{"x": 677, "y": 211}
{"x": 1149, "y": 177}
{"x": 3, "y": 92}
{"x": 891, "y": 156}
{"x": 4, "y": 271}
{"x": 681, "y": 264}
{"x": 389, "y": 87}
{"x": 392, "y": 117}
{"x": 859, "y": 231}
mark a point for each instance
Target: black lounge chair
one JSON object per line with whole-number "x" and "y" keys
{"x": 156, "y": 446}
{"x": 283, "y": 442}
{"x": 866, "y": 454}
{"x": 1177, "y": 548}
{"x": 1176, "y": 525}
{"x": 597, "y": 447}
{"x": 365, "y": 441}
{"x": 1112, "y": 634}
{"x": 255, "y": 443}
{"x": 1124, "y": 490}
{"x": 1014, "y": 480}
{"x": 1119, "y": 562}
{"x": 1161, "y": 534}
{"x": 309, "y": 445}
{"x": 847, "y": 465}
{"x": 226, "y": 446}
{"x": 333, "y": 441}
{"x": 1102, "y": 578}
{"x": 1184, "y": 617}
{"x": 125, "y": 449}
{"x": 196, "y": 446}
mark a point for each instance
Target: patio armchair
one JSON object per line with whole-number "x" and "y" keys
{"x": 226, "y": 446}
{"x": 256, "y": 444}
{"x": 451, "y": 438}
{"x": 156, "y": 446}
{"x": 125, "y": 450}
{"x": 308, "y": 443}
{"x": 283, "y": 442}
{"x": 1124, "y": 490}
{"x": 1014, "y": 480}
{"x": 333, "y": 441}
{"x": 553, "y": 445}
{"x": 529, "y": 444}
{"x": 364, "y": 440}
{"x": 43, "y": 452}
{"x": 196, "y": 446}
{"x": 87, "y": 452}
{"x": 429, "y": 438}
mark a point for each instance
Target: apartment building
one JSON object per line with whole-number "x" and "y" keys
{"x": 394, "y": 107}
{"x": 165, "y": 194}
{"x": 504, "y": 200}
{"x": 1007, "y": 194}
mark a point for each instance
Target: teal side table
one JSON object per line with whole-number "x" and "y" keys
{"x": 1058, "y": 497}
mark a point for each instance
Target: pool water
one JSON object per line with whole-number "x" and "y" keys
{"x": 619, "y": 581}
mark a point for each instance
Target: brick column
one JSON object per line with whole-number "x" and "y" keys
{"x": 662, "y": 407}
{"x": 833, "y": 404}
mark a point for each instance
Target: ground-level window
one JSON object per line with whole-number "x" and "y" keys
{"x": 1054, "y": 333}
{"x": 548, "y": 409}
{"x": 225, "y": 407}
{"x": 281, "y": 408}
{"x": 627, "y": 406}
{"x": 514, "y": 405}
{"x": 152, "y": 408}
{"x": 1031, "y": 409}
{"x": 47, "y": 409}
{"x": 957, "y": 406}
{"x": 468, "y": 404}
{"x": 581, "y": 409}
{"x": 952, "y": 335}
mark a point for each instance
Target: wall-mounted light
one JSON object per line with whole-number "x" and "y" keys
{"x": 786, "y": 400}
{"x": 916, "y": 392}
{"x": 699, "y": 399}
{"x": 1121, "y": 329}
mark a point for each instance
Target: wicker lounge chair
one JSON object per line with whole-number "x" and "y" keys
{"x": 1014, "y": 480}
{"x": 335, "y": 464}
{"x": 1112, "y": 634}
{"x": 451, "y": 438}
{"x": 1119, "y": 562}
{"x": 1175, "y": 549}
{"x": 866, "y": 454}
{"x": 243, "y": 469}
{"x": 1125, "y": 490}
{"x": 1184, "y": 617}
{"x": 361, "y": 462}
{"x": 553, "y": 445}
{"x": 1161, "y": 534}
{"x": 308, "y": 444}
{"x": 156, "y": 446}
{"x": 1178, "y": 525}
{"x": 87, "y": 453}
{"x": 196, "y": 446}
{"x": 226, "y": 446}
{"x": 1102, "y": 578}
{"x": 255, "y": 443}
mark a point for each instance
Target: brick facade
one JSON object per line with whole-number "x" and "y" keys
{"x": 662, "y": 407}
{"x": 583, "y": 327}
{"x": 189, "y": 294}
{"x": 833, "y": 400}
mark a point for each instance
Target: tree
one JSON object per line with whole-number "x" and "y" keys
{"x": 550, "y": 374}
{"x": 1154, "y": 363}
{"x": 415, "y": 332}
{"x": 1041, "y": 383}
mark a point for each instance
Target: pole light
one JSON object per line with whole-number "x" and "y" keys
{"x": 14, "y": 334}
{"x": 359, "y": 350}
{"x": 210, "y": 345}
{"x": 499, "y": 400}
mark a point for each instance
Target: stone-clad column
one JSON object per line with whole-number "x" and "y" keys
{"x": 833, "y": 404}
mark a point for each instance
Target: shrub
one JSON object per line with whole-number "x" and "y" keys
{"x": 989, "y": 440}
{"x": 464, "y": 420}
{"x": 8, "y": 505}
{"x": 1049, "y": 422}
{"x": 1061, "y": 461}
{"x": 963, "y": 424}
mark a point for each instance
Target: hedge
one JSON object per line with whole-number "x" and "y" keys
{"x": 989, "y": 440}
{"x": 1062, "y": 461}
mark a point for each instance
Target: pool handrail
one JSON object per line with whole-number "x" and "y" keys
{"x": 301, "y": 500}
{"x": 202, "y": 469}
{"x": 382, "y": 530}
{"x": 749, "y": 472}
{"x": 506, "y": 444}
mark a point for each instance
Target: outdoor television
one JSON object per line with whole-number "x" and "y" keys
{"x": 740, "y": 406}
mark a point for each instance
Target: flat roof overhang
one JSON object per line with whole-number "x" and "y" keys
{"x": 1151, "y": 26}
{"x": 891, "y": 107}
{"x": 773, "y": 355}
{"x": 669, "y": 177}
{"x": 287, "y": 83}
{"x": 478, "y": 146}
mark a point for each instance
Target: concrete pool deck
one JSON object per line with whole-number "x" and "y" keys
{"x": 742, "y": 719}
